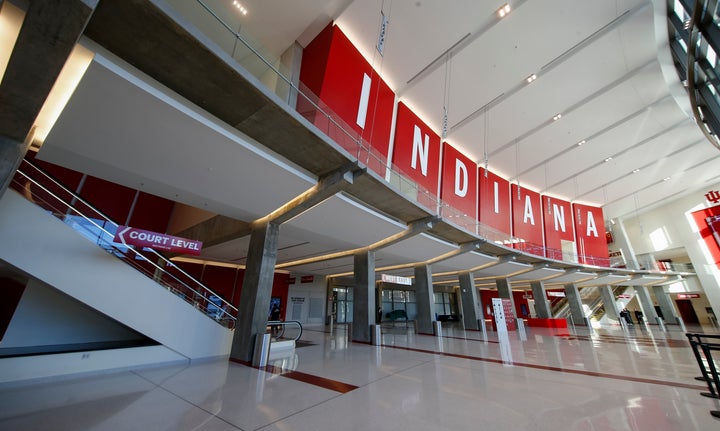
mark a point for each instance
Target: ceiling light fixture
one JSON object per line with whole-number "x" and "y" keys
{"x": 635, "y": 171}
{"x": 666, "y": 178}
{"x": 240, "y": 7}
{"x": 504, "y": 10}
{"x": 581, "y": 142}
{"x": 608, "y": 159}
{"x": 557, "y": 117}
{"x": 531, "y": 78}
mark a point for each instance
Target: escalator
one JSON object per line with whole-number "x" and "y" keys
{"x": 64, "y": 248}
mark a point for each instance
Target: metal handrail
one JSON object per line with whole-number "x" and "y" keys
{"x": 24, "y": 182}
{"x": 278, "y": 327}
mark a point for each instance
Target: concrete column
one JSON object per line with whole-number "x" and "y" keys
{"x": 471, "y": 307}
{"x": 363, "y": 296}
{"x": 646, "y": 303}
{"x": 542, "y": 305}
{"x": 256, "y": 289}
{"x": 621, "y": 239}
{"x": 425, "y": 299}
{"x": 49, "y": 32}
{"x": 666, "y": 306}
{"x": 608, "y": 299}
{"x": 11, "y": 154}
{"x": 572, "y": 294}
{"x": 505, "y": 292}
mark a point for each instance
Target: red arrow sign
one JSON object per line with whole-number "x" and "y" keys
{"x": 158, "y": 241}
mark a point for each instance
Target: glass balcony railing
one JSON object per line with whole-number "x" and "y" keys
{"x": 222, "y": 24}
{"x": 41, "y": 189}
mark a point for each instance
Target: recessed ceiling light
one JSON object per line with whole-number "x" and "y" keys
{"x": 239, "y": 7}
{"x": 531, "y": 78}
{"x": 581, "y": 142}
{"x": 608, "y": 159}
{"x": 635, "y": 171}
{"x": 504, "y": 10}
{"x": 557, "y": 117}
{"x": 666, "y": 178}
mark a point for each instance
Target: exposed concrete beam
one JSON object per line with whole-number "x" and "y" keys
{"x": 48, "y": 34}
{"x": 217, "y": 230}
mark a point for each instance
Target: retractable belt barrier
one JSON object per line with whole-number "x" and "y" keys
{"x": 703, "y": 345}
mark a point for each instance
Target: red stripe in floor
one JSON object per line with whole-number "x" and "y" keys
{"x": 558, "y": 369}
{"x": 333, "y": 385}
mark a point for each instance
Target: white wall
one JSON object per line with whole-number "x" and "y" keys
{"x": 673, "y": 224}
{"x": 309, "y": 303}
{"x": 44, "y": 316}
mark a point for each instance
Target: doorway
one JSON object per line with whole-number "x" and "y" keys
{"x": 687, "y": 312}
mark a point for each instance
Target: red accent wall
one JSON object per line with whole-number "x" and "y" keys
{"x": 333, "y": 69}
{"x": 559, "y": 226}
{"x": 486, "y": 297}
{"x": 405, "y": 129}
{"x": 527, "y": 220}
{"x": 459, "y": 173}
{"x": 706, "y": 231}
{"x": 590, "y": 235}
{"x": 498, "y": 216}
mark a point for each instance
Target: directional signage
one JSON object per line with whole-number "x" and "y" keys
{"x": 159, "y": 241}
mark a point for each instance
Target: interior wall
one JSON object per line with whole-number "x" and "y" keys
{"x": 672, "y": 226}
{"x": 46, "y": 316}
{"x": 307, "y": 302}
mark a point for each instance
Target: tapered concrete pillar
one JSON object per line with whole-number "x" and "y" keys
{"x": 575, "y": 303}
{"x": 505, "y": 292}
{"x": 471, "y": 306}
{"x": 425, "y": 299}
{"x": 646, "y": 303}
{"x": 48, "y": 34}
{"x": 256, "y": 290}
{"x": 363, "y": 296}
{"x": 542, "y": 305}
{"x": 665, "y": 302}
{"x": 608, "y": 299}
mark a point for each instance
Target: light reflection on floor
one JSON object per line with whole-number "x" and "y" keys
{"x": 610, "y": 379}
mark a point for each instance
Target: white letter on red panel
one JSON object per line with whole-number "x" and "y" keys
{"x": 420, "y": 150}
{"x": 528, "y": 214}
{"x": 559, "y": 216}
{"x": 591, "y": 225}
{"x": 497, "y": 197}
{"x": 461, "y": 178}
{"x": 364, "y": 98}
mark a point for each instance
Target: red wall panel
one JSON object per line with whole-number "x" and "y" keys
{"x": 335, "y": 71}
{"x": 527, "y": 219}
{"x": 590, "y": 235}
{"x": 416, "y": 152}
{"x": 151, "y": 213}
{"x": 559, "y": 226}
{"x": 111, "y": 199}
{"x": 459, "y": 185}
{"x": 707, "y": 230}
{"x": 493, "y": 205}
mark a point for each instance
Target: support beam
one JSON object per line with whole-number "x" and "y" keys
{"x": 575, "y": 303}
{"x": 256, "y": 289}
{"x": 425, "y": 299}
{"x": 48, "y": 34}
{"x": 505, "y": 292}
{"x": 542, "y": 305}
{"x": 646, "y": 303}
{"x": 471, "y": 307}
{"x": 364, "y": 296}
{"x": 608, "y": 299}
{"x": 666, "y": 306}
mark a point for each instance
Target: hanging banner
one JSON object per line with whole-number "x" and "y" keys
{"x": 158, "y": 241}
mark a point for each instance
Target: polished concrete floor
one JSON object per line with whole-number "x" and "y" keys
{"x": 610, "y": 379}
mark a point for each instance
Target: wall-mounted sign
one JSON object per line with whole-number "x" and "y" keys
{"x": 623, "y": 296}
{"x": 307, "y": 279}
{"x": 556, "y": 294}
{"x": 292, "y": 280}
{"x": 158, "y": 241}
{"x": 688, "y": 295}
{"x": 297, "y": 300}
{"x": 713, "y": 196}
{"x": 387, "y": 278}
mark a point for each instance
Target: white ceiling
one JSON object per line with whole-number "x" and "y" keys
{"x": 596, "y": 61}
{"x": 599, "y": 63}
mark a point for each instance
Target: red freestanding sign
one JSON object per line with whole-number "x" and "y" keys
{"x": 158, "y": 241}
